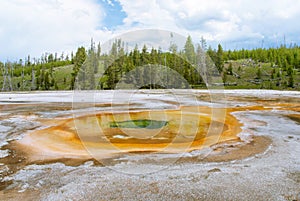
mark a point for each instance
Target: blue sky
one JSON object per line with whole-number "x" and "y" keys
{"x": 35, "y": 27}
{"x": 114, "y": 14}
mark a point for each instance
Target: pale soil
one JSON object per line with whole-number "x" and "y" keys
{"x": 264, "y": 165}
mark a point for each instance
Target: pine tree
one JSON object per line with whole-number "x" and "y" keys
{"x": 272, "y": 74}
{"x": 219, "y": 59}
{"x": 98, "y": 50}
{"x": 229, "y": 70}
{"x": 189, "y": 50}
{"x": 291, "y": 81}
{"x": 285, "y": 65}
{"x": 278, "y": 74}
{"x": 258, "y": 73}
{"x": 37, "y": 78}
{"x": 203, "y": 44}
{"x": 79, "y": 59}
{"x": 289, "y": 70}
{"x": 136, "y": 56}
{"x": 46, "y": 81}
{"x": 144, "y": 55}
{"x": 224, "y": 77}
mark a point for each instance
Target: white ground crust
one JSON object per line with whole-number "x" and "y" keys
{"x": 273, "y": 175}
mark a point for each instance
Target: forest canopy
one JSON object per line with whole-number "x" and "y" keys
{"x": 147, "y": 67}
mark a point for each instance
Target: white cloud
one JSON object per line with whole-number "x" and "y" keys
{"x": 34, "y": 27}
{"x": 219, "y": 21}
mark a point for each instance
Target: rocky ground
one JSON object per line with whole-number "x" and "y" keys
{"x": 264, "y": 166}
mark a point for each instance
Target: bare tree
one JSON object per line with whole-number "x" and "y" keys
{"x": 7, "y": 73}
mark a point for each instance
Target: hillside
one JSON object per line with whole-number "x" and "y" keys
{"x": 247, "y": 74}
{"x": 273, "y": 68}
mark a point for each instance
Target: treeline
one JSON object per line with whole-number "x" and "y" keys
{"x": 284, "y": 61}
{"x": 91, "y": 69}
{"x": 136, "y": 68}
{"x": 141, "y": 67}
{"x": 32, "y": 74}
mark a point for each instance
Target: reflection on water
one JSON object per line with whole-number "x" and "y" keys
{"x": 103, "y": 133}
{"x": 185, "y": 129}
{"x": 139, "y": 123}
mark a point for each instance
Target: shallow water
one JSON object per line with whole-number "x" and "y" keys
{"x": 44, "y": 128}
{"x": 193, "y": 120}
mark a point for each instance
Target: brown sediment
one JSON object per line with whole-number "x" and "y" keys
{"x": 13, "y": 194}
{"x": 188, "y": 129}
{"x": 201, "y": 127}
{"x": 294, "y": 117}
{"x": 228, "y": 151}
{"x": 89, "y": 137}
{"x": 232, "y": 150}
{"x": 14, "y": 162}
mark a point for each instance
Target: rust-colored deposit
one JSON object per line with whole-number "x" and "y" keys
{"x": 104, "y": 135}
{"x": 109, "y": 134}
